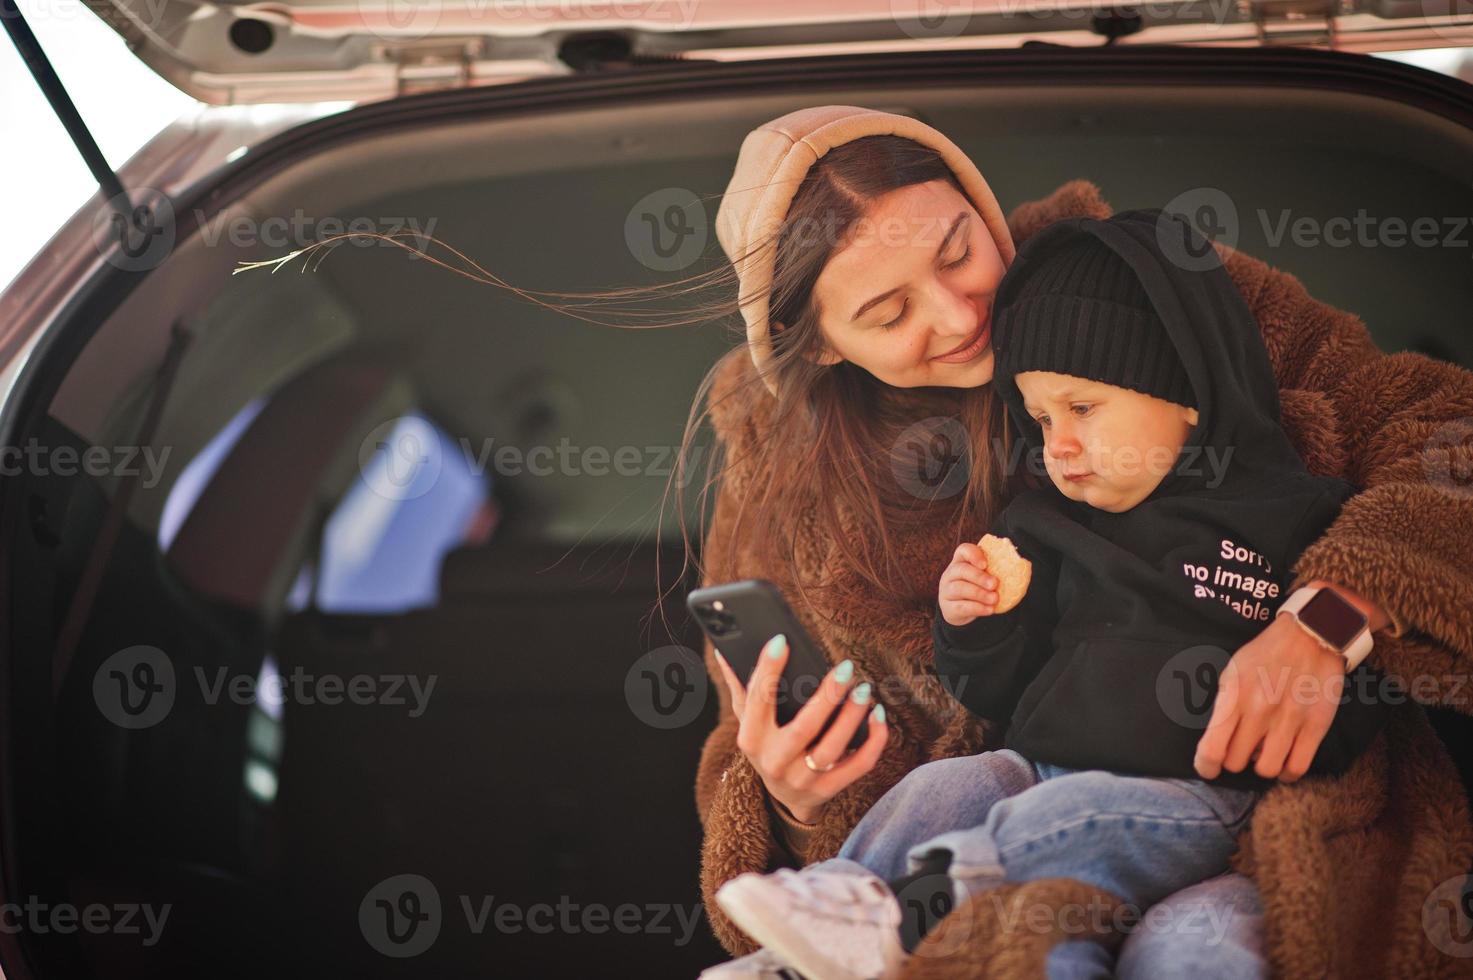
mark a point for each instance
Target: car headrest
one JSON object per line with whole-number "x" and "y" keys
{"x": 246, "y": 532}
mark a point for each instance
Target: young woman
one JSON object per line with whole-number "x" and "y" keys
{"x": 862, "y": 443}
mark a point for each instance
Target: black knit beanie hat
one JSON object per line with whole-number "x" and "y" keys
{"x": 1080, "y": 310}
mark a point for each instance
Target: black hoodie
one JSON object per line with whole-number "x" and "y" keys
{"x": 1111, "y": 661}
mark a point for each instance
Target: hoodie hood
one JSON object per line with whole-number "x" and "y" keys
{"x": 1238, "y": 441}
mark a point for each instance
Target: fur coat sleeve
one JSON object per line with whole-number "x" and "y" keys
{"x": 1346, "y": 866}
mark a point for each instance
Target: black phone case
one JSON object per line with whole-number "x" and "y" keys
{"x": 750, "y": 613}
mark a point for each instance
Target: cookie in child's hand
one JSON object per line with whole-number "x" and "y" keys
{"x": 1011, "y": 569}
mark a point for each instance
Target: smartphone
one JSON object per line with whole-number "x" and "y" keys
{"x": 740, "y": 617}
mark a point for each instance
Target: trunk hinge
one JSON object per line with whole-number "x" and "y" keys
{"x": 1302, "y": 23}
{"x": 429, "y": 66}
{"x": 134, "y": 224}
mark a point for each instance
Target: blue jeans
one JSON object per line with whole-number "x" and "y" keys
{"x": 1142, "y": 838}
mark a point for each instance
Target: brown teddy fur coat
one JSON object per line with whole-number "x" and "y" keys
{"x": 1349, "y": 867}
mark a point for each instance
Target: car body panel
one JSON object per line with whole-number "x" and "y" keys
{"x": 227, "y": 52}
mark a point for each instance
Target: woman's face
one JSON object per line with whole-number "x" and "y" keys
{"x": 909, "y": 296}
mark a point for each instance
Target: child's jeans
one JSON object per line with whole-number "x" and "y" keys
{"x": 1140, "y": 837}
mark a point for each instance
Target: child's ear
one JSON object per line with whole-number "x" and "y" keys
{"x": 1191, "y": 416}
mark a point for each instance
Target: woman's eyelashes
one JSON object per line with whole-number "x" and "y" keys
{"x": 905, "y": 305}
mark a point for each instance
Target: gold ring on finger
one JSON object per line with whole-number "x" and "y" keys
{"x": 808, "y": 761}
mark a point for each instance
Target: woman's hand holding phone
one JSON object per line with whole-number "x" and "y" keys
{"x": 967, "y": 589}
{"x": 777, "y": 751}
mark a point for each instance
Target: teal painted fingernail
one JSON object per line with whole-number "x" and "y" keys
{"x": 878, "y": 714}
{"x": 844, "y": 671}
{"x": 861, "y": 693}
{"x": 776, "y": 646}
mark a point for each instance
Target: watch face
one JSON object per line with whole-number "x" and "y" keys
{"x": 1332, "y": 617}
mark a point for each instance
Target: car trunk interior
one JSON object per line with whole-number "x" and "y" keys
{"x": 533, "y": 776}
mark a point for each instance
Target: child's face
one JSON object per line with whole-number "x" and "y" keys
{"x": 1122, "y": 441}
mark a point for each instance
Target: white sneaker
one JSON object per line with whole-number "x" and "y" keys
{"x": 761, "y": 965}
{"x": 829, "y": 925}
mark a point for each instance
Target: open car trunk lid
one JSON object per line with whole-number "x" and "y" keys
{"x": 222, "y": 51}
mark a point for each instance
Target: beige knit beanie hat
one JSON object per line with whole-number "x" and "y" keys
{"x": 769, "y": 169}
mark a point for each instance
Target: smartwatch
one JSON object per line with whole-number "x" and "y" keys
{"x": 1338, "y": 626}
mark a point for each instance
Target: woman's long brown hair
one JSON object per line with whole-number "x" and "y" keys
{"x": 831, "y": 443}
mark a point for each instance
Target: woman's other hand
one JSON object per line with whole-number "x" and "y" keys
{"x": 777, "y": 752}
{"x": 1259, "y": 716}
{"x": 1281, "y": 689}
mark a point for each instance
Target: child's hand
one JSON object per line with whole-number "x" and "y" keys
{"x": 966, "y": 589}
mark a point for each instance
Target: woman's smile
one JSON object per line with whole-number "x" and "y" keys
{"x": 971, "y": 347}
